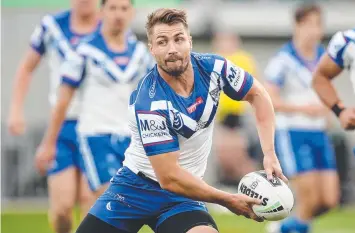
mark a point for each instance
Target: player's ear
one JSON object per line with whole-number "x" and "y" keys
{"x": 150, "y": 48}
{"x": 190, "y": 40}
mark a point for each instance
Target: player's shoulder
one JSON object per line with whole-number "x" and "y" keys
{"x": 61, "y": 18}
{"x": 209, "y": 62}
{"x": 91, "y": 45}
{"x": 340, "y": 39}
{"x": 147, "y": 91}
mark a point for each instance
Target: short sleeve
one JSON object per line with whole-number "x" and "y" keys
{"x": 336, "y": 48}
{"x": 236, "y": 81}
{"x": 73, "y": 70}
{"x": 275, "y": 71}
{"x": 38, "y": 38}
{"x": 156, "y": 132}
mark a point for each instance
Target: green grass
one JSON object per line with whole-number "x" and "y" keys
{"x": 338, "y": 221}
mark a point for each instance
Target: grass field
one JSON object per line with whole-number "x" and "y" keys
{"x": 338, "y": 221}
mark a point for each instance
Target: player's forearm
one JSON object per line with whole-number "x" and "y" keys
{"x": 184, "y": 183}
{"x": 22, "y": 82}
{"x": 265, "y": 120}
{"x": 325, "y": 90}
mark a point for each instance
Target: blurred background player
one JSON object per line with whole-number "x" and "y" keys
{"x": 56, "y": 37}
{"x": 303, "y": 147}
{"x": 340, "y": 55}
{"x": 107, "y": 67}
{"x": 231, "y": 138}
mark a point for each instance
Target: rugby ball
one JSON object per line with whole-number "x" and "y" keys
{"x": 277, "y": 198}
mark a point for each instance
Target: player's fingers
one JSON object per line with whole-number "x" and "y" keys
{"x": 252, "y": 201}
{"x": 280, "y": 174}
{"x": 269, "y": 172}
{"x": 255, "y": 217}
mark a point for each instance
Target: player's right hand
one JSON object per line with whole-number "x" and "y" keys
{"x": 241, "y": 204}
{"x": 347, "y": 118}
{"x": 44, "y": 156}
{"x": 16, "y": 124}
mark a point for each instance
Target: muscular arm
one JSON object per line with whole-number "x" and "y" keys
{"x": 23, "y": 79}
{"x": 177, "y": 180}
{"x": 326, "y": 70}
{"x": 58, "y": 114}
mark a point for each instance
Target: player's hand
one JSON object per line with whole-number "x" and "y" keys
{"x": 241, "y": 204}
{"x": 315, "y": 110}
{"x": 347, "y": 118}
{"x": 272, "y": 167}
{"x": 16, "y": 123}
{"x": 44, "y": 157}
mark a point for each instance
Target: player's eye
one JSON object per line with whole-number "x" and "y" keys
{"x": 161, "y": 42}
{"x": 179, "y": 39}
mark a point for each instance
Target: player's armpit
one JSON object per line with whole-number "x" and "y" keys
{"x": 326, "y": 70}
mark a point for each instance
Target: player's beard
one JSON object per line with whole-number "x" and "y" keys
{"x": 175, "y": 71}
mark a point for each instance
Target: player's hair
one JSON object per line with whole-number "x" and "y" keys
{"x": 103, "y": 2}
{"x": 304, "y": 10}
{"x": 168, "y": 16}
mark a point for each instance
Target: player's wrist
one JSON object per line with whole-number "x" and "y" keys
{"x": 337, "y": 109}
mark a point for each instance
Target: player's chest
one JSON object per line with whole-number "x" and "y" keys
{"x": 115, "y": 69}
{"x": 300, "y": 76}
{"x": 197, "y": 112}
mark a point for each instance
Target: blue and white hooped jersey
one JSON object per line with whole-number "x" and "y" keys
{"x": 55, "y": 39}
{"x": 341, "y": 49}
{"x": 293, "y": 75}
{"x": 162, "y": 121}
{"x": 106, "y": 79}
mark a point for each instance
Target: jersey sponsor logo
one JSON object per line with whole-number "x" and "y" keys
{"x": 234, "y": 75}
{"x": 153, "y": 128}
{"x": 74, "y": 40}
{"x": 178, "y": 122}
{"x": 121, "y": 60}
{"x": 201, "y": 56}
{"x": 193, "y": 107}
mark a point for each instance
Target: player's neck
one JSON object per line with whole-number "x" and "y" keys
{"x": 306, "y": 49}
{"x": 182, "y": 85}
{"x": 116, "y": 41}
{"x": 84, "y": 24}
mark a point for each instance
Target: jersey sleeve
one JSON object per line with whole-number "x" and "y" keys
{"x": 275, "y": 71}
{"x": 336, "y": 49}
{"x": 156, "y": 132}
{"x": 39, "y": 37}
{"x": 236, "y": 81}
{"x": 73, "y": 70}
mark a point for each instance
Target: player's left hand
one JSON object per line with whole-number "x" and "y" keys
{"x": 272, "y": 167}
{"x": 44, "y": 157}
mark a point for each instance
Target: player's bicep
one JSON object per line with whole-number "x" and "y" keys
{"x": 30, "y": 61}
{"x": 327, "y": 67}
{"x": 156, "y": 133}
{"x": 236, "y": 81}
{"x": 257, "y": 89}
{"x": 164, "y": 164}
